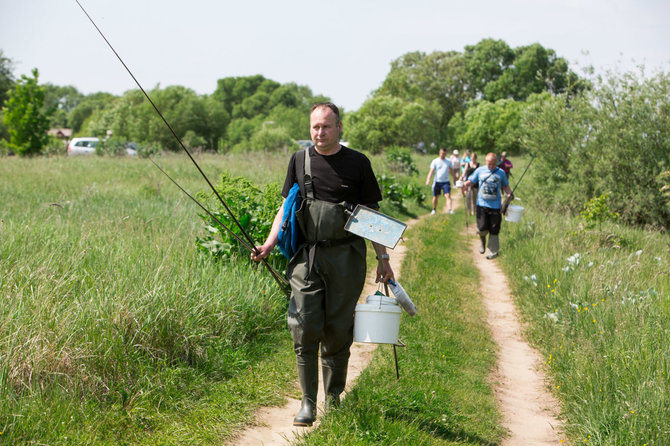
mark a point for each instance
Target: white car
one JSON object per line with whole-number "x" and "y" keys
{"x": 82, "y": 146}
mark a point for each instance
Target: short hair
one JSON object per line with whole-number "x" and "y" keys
{"x": 329, "y": 105}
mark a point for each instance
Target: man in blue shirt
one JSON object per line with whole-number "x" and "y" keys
{"x": 491, "y": 181}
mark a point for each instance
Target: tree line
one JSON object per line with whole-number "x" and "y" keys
{"x": 592, "y": 135}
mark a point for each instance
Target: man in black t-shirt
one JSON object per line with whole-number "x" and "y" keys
{"x": 328, "y": 271}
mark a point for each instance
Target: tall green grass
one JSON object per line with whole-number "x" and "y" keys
{"x": 598, "y": 309}
{"x": 112, "y": 325}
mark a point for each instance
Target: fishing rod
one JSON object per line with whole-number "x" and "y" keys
{"x": 281, "y": 281}
{"x": 465, "y": 208}
{"x": 509, "y": 198}
{"x": 181, "y": 144}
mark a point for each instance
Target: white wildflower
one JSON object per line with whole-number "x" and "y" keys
{"x": 552, "y": 316}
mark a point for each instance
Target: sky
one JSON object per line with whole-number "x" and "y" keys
{"x": 341, "y": 49}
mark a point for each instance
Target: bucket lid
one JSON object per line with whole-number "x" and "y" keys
{"x": 376, "y": 298}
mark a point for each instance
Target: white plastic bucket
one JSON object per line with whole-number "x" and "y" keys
{"x": 459, "y": 184}
{"x": 514, "y": 213}
{"x": 377, "y": 321}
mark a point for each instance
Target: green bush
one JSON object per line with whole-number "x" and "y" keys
{"x": 253, "y": 207}
{"x": 611, "y": 140}
{"x": 272, "y": 139}
{"x": 400, "y": 160}
{"x": 395, "y": 192}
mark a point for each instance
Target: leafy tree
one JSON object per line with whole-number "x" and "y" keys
{"x": 385, "y": 121}
{"x": 232, "y": 91}
{"x": 486, "y": 62}
{"x": 6, "y": 84}
{"x": 438, "y": 78}
{"x": 86, "y": 107}
{"x": 489, "y": 127}
{"x": 59, "y": 103}
{"x": 272, "y": 138}
{"x": 24, "y": 118}
{"x": 535, "y": 69}
{"x": 612, "y": 140}
{"x": 6, "y": 78}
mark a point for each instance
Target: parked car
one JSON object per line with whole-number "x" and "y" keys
{"x": 82, "y": 146}
{"x": 305, "y": 143}
{"x": 131, "y": 149}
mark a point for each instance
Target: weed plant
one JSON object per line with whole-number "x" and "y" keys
{"x": 598, "y": 309}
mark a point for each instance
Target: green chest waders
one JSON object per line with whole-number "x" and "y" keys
{"x": 327, "y": 275}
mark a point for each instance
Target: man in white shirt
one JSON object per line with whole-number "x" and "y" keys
{"x": 441, "y": 167}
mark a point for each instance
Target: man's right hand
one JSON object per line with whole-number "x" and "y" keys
{"x": 263, "y": 252}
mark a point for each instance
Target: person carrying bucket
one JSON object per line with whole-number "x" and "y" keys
{"x": 327, "y": 273}
{"x": 491, "y": 180}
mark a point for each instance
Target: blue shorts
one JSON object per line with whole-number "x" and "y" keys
{"x": 441, "y": 188}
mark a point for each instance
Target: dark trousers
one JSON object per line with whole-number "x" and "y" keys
{"x": 488, "y": 220}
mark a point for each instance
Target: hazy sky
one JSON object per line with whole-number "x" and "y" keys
{"x": 341, "y": 49}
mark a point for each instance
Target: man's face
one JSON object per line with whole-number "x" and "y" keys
{"x": 443, "y": 153}
{"x": 325, "y": 130}
{"x": 491, "y": 162}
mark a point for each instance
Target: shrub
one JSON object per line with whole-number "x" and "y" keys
{"x": 612, "y": 140}
{"x": 254, "y": 209}
{"x": 400, "y": 160}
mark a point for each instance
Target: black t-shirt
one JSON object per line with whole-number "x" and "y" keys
{"x": 345, "y": 176}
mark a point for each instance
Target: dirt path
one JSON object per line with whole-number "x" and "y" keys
{"x": 529, "y": 409}
{"x": 273, "y": 425}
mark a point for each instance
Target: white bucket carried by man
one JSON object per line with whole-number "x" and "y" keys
{"x": 514, "y": 213}
{"x": 377, "y": 321}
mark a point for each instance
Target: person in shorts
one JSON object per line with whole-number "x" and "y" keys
{"x": 491, "y": 180}
{"x": 441, "y": 167}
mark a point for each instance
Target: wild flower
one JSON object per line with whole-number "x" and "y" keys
{"x": 532, "y": 279}
{"x": 574, "y": 259}
{"x": 551, "y": 316}
{"x": 638, "y": 253}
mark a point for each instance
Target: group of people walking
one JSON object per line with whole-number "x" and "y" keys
{"x": 481, "y": 186}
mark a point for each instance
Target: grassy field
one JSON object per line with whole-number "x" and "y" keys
{"x": 596, "y": 301}
{"x": 115, "y": 329}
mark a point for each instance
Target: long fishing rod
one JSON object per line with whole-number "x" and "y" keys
{"x": 181, "y": 144}
{"x": 509, "y": 198}
{"x": 281, "y": 281}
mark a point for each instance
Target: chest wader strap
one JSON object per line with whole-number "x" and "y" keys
{"x": 311, "y": 245}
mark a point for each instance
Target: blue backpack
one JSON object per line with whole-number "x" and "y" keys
{"x": 289, "y": 231}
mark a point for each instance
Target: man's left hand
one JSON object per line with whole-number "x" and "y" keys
{"x": 384, "y": 271}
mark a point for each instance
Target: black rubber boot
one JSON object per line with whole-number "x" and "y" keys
{"x": 334, "y": 380}
{"x": 494, "y": 245}
{"x": 308, "y": 374}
